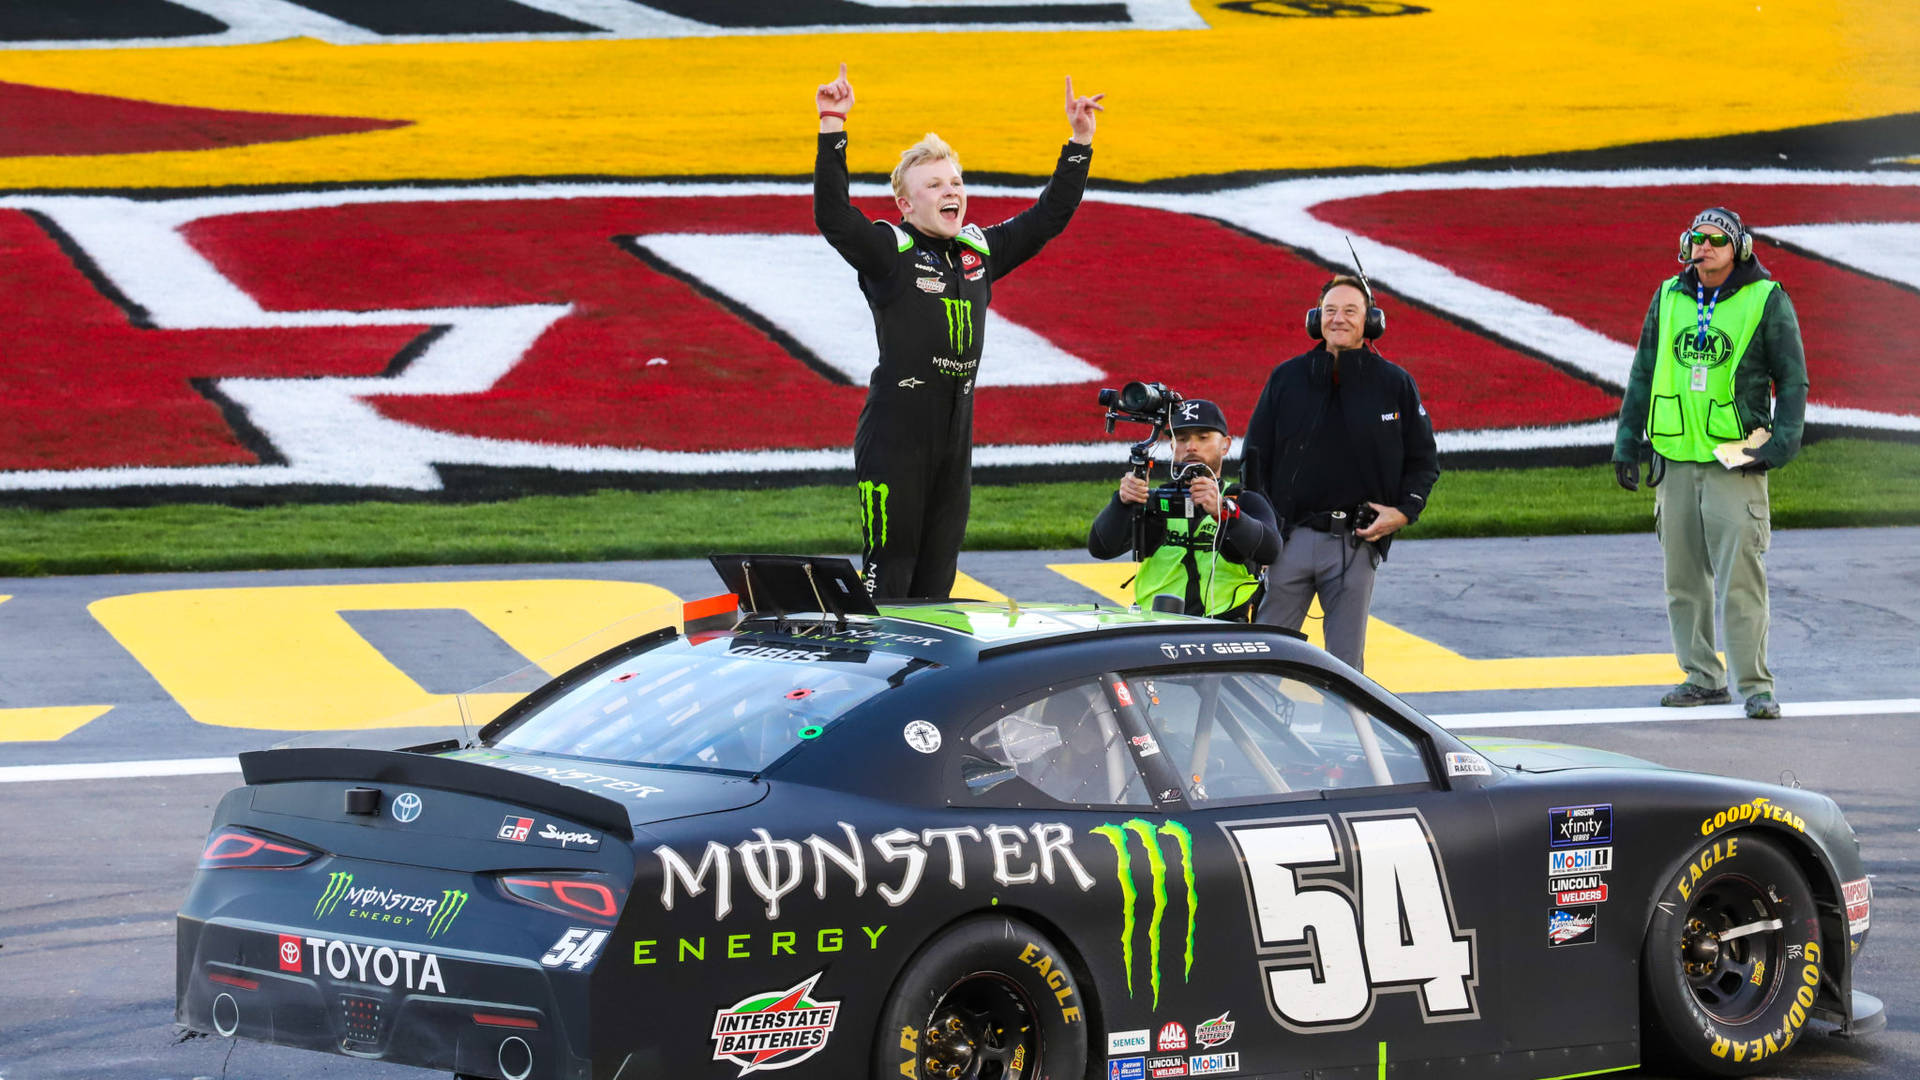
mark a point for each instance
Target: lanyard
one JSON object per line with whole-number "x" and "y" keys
{"x": 1703, "y": 310}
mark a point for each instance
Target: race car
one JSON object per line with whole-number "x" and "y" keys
{"x": 989, "y": 840}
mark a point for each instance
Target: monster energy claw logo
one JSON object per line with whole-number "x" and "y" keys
{"x": 1117, "y": 835}
{"x": 337, "y": 886}
{"x": 451, "y": 901}
{"x": 959, "y": 323}
{"x": 873, "y": 510}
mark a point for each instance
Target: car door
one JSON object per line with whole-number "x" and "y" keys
{"x": 1345, "y": 890}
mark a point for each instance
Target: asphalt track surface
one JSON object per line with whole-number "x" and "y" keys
{"x": 95, "y": 868}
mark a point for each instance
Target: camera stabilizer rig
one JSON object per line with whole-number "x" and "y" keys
{"x": 1151, "y": 404}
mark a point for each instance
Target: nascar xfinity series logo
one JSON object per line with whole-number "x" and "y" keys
{"x": 1118, "y": 836}
{"x": 775, "y": 1030}
{"x": 388, "y": 905}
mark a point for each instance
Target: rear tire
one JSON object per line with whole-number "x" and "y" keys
{"x": 1733, "y": 958}
{"x": 991, "y": 998}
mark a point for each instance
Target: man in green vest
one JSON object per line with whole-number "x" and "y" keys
{"x": 1718, "y": 394}
{"x": 1208, "y": 560}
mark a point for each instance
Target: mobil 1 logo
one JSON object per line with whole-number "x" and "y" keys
{"x": 1580, "y": 826}
{"x": 1348, "y": 909}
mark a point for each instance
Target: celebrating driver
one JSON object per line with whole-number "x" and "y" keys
{"x": 928, "y": 279}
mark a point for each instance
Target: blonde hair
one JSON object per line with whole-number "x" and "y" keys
{"x": 931, "y": 148}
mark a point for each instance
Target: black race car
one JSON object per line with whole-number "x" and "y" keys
{"x": 962, "y": 839}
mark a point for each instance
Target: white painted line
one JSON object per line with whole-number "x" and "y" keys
{"x": 113, "y": 770}
{"x": 1656, "y": 714}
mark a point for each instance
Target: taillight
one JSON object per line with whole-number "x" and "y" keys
{"x": 234, "y": 846}
{"x": 589, "y": 895}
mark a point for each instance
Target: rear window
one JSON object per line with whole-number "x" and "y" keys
{"x": 722, "y": 703}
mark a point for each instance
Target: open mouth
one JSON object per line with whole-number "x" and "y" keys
{"x": 950, "y": 211}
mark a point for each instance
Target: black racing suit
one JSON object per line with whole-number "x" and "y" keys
{"x": 913, "y": 451}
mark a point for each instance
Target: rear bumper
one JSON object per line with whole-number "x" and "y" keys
{"x": 490, "y": 1016}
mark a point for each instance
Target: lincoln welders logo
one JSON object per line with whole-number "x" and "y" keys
{"x": 873, "y": 513}
{"x": 1692, "y": 351}
{"x": 774, "y": 1030}
{"x": 959, "y": 323}
{"x": 1118, "y": 835}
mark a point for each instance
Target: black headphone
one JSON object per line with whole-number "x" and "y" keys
{"x": 1376, "y": 323}
{"x": 1742, "y": 239}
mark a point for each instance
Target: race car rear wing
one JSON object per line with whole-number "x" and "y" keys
{"x": 375, "y": 767}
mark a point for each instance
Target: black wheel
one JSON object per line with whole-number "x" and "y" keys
{"x": 1733, "y": 958}
{"x": 991, "y": 998}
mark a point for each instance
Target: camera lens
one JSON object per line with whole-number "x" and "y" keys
{"x": 1140, "y": 397}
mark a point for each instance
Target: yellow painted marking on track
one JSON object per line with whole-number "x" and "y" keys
{"x": 282, "y": 658}
{"x": 1106, "y": 578}
{"x": 45, "y": 724}
{"x": 1408, "y": 664}
{"x": 1470, "y": 78}
{"x": 48, "y": 724}
{"x": 967, "y": 587}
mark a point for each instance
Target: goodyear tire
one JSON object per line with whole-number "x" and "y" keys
{"x": 990, "y": 997}
{"x": 1733, "y": 958}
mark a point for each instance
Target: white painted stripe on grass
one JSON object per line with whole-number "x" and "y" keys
{"x": 1656, "y": 714}
{"x": 113, "y": 770}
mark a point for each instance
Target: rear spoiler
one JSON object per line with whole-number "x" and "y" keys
{"x": 449, "y": 774}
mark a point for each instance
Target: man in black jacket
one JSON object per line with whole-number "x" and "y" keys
{"x": 1342, "y": 447}
{"x": 928, "y": 280}
{"x": 1210, "y": 561}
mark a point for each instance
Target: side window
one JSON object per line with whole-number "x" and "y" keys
{"x": 1067, "y": 743}
{"x": 1239, "y": 734}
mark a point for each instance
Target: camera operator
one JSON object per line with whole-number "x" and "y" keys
{"x": 1210, "y": 561}
{"x": 1342, "y": 446}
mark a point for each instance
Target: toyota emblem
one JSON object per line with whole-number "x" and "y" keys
{"x": 406, "y": 807}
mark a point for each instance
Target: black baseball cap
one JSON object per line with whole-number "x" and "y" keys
{"x": 1199, "y": 413}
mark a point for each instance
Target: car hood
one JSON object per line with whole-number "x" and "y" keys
{"x": 1531, "y": 756}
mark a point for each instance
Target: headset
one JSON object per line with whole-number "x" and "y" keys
{"x": 1742, "y": 239}
{"x": 1376, "y": 323}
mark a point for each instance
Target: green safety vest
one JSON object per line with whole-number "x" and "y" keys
{"x": 1222, "y": 583}
{"x": 1693, "y": 408}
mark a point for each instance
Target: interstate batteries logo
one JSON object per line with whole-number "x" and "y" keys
{"x": 1121, "y": 837}
{"x": 342, "y": 897}
{"x": 775, "y": 1030}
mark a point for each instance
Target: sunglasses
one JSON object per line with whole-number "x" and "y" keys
{"x": 1716, "y": 239}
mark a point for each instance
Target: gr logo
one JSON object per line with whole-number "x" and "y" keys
{"x": 1180, "y": 840}
{"x": 1346, "y": 912}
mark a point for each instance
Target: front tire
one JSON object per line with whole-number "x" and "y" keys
{"x": 991, "y": 998}
{"x": 1733, "y": 958}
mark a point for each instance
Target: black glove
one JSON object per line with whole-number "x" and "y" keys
{"x": 1755, "y": 467}
{"x": 1627, "y": 473}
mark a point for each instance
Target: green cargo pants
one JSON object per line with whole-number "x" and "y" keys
{"x": 1714, "y": 526}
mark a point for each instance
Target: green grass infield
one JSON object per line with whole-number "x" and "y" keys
{"x": 1833, "y": 483}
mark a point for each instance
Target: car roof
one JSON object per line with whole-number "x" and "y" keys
{"x": 961, "y": 631}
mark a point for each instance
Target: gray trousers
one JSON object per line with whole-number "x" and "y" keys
{"x": 1325, "y": 563}
{"x": 1715, "y": 526}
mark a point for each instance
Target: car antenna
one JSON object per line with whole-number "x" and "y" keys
{"x": 1361, "y": 270}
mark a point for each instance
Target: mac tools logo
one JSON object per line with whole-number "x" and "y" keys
{"x": 427, "y": 339}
